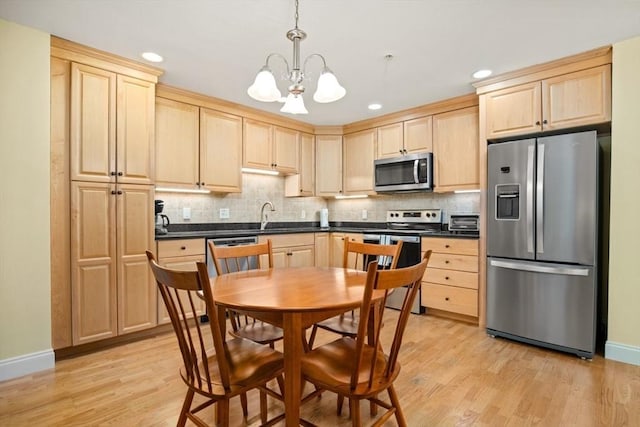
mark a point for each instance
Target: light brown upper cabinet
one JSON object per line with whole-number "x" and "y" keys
{"x": 411, "y": 136}
{"x": 359, "y": 150}
{"x": 455, "y": 150}
{"x": 328, "y": 165}
{"x": 568, "y": 100}
{"x": 270, "y": 147}
{"x": 303, "y": 183}
{"x": 220, "y": 151}
{"x": 197, "y": 147}
{"x": 112, "y": 127}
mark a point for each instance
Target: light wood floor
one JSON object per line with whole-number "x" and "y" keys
{"x": 452, "y": 374}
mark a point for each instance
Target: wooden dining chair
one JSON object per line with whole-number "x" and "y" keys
{"x": 213, "y": 368}
{"x": 357, "y": 255}
{"x": 227, "y": 259}
{"x": 358, "y": 368}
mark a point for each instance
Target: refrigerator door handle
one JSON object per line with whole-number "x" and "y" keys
{"x": 540, "y": 201}
{"x": 530, "y": 198}
{"x": 537, "y": 268}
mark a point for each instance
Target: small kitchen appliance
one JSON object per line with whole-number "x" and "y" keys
{"x": 464, "y": 223}
{"x": 162, "y": 221}
{"x": 324, "y": 218}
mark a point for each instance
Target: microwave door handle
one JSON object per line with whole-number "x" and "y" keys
{"x": 415, "y": 171}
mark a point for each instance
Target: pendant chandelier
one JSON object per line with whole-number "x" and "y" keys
{"x": 264, "y": 87}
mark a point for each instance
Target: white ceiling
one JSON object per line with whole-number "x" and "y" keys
{"x": 216, "y": 47}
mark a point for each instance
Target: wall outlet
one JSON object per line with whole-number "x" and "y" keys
{"x": 364, "y": 214}
{"x": 186, "y": 213}
{"x": 303, "y": 214}
{"x": 224, "y": 213}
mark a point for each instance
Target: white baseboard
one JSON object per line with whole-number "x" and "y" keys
{"x": 26, "y": 364}
{"x": 622, "y": 352}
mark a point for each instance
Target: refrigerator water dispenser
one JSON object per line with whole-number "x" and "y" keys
{"x": 508, "y": 201}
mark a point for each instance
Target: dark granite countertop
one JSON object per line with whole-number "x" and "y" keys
{"x": 220, "y": 230}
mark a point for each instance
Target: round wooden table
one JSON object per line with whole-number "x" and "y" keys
{"x": 293, "y": 299}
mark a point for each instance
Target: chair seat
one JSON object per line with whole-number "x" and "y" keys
{"x": 330, "y": 366}
{"x": 346, "y": 324}
{"x": 250, "y": 363}
{"x": 260, "y": 332}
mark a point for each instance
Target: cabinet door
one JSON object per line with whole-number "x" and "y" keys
{"x": 418, "y": 135}
{"x": 286, "y": 150}
{"x": 358, "y": 151}
{"x": 280, "y": 258}
{"x": 257, "y": 145}
{"x": 336, "y": 250}
{"x": 455, "y": 147}
{"x": 187, "y": 263}
{"x": 93, "y": 124}
{"x": 577, "y": 99}
{"x": 301, "y": 256}
{"x": 322, "y": 250}
{"x": 514, "y": 111}
{"x": 328, "y": 165}
{"x": 135, "y": 141}
{"x": 137, "y": 294}
{"x": 307, "y": 164}
{"x": 177, "y": 144}
{"x": 93, "y": 261}
{"x": 390, "y": 141}
{"x": 220, "y": 151}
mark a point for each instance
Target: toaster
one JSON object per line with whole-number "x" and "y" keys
{"x": 469, "y": 222}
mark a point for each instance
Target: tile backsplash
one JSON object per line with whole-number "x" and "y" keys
{"x": 257, "y": 189}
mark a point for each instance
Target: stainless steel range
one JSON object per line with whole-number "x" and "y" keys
{"x": 407, "y": 226}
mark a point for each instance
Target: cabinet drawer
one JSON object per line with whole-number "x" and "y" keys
{"x": 454, "y": 262}
{"x": 450, "y": 246}
{"x": 282, "y": 240}
{"x": 463, "y": 279}
{"x": 180, "y": 247}
{"x": 450, "y": 298}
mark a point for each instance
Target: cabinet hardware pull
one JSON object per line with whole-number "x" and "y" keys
{"x": 544, "y": 122}
{"x": 400, "y": 151}
{"x": 112, "y": 173}
{"x": 120, "y": 174}
{"x": 446, "y": 261}
{"x": 183, "y": 248}
{"x": 446, "y": 277}
{"x": 446, "y": 246}
{"x": 113, "y": 191}
{"x": 119, "y": 191}
{"x": 446, "y": 298}
{"x": 538, "y": 123}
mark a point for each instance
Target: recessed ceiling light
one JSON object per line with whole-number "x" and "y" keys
{"x": 481, "y": 74}
{"x": 374, "y": 106}
{"x": 152, "y": 57}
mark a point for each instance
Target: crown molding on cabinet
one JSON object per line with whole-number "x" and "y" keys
{"x": 71, "y": 51}
{"x": 569, "y": 64}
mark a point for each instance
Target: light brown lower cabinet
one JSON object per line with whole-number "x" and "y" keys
{"x": 112, "y": 288}
{"x": 291, "y": 250}
{"x": 180, "y": 254}
{"x": 336, "y": 248}
{"x": 450, "y": 283}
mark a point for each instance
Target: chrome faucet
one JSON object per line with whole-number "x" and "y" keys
{"x": 264, "y": 217}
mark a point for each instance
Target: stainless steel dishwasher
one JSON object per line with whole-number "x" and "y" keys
{"x": 231, "y": 241}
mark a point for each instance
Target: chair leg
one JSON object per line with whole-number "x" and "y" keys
{"x": 243, "y": 402}
{"x": 312, "y": 338}
{"x": 354, "y": 408}
{"x": 222, "y": 413}
{"x": 340, "y": 402}
{"x": 263, "y": 406}
{"x": 393, "y": 397}
{"x": 182, "y": 420}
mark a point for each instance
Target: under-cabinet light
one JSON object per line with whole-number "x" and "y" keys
{"x": 466, "y": 191}
{"x": 182, "y": 190}
{"x": 355, "y": 196}
{"x": 260, "y": 171}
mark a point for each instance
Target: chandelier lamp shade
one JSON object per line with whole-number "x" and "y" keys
{"x": 265, "y": 89}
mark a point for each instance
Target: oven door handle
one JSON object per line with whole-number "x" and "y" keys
{"x": 408, "y": 239}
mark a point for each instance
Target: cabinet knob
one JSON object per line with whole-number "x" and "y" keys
{"x": 202, "y": 184}
{"x": 446, "y": 261}
{"x": 446, "y": 277}
{"x": 446, "y": 298}
{"x": 113, "y": 191}
{"x": 120, "y": 174}
{"x": 446, "y": 246}
{"x": 400, "y": 151}
{"x": 119, "y": 191}
{"x": 538, "y": 123}
{"x": 183, "y": 248}
{"x": 544, "y": 122}
{"x": 112, "y": 173}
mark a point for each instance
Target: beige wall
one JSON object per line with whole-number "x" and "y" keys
{"x": 25, "y": 316}
{"x": 624, "y": 277}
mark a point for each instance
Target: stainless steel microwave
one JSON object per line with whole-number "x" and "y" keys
{"x": 413, "y": 172}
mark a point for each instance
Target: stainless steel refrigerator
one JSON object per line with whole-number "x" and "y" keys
{"x": 542, "y": 241}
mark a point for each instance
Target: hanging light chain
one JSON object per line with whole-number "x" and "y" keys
{"x": 296, "y": 15}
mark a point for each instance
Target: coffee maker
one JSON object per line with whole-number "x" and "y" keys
{"x": 162, "y": 221}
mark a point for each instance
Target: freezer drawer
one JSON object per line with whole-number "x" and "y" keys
{"x": 544, "y": 303}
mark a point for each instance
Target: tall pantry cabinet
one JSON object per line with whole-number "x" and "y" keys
{"x": 103, "y": 120}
